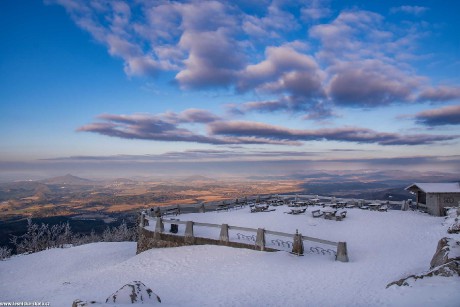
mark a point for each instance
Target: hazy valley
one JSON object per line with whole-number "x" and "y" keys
{"x": 94, "y": 204}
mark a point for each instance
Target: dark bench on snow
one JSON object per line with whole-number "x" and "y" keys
{"x": 330, "y": 215}
{"x": 223, "y": 207}
{"x": 341, "y": 216}
{"x": 172, "y": 211}
{"x": 265, "y": 208}
{"x": 317, "y": 213}
{"x": 296, "y": 211}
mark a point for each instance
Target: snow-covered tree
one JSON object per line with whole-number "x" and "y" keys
{"x": 5, "y": 252}
{"x": 119, "y": 234}
{"x": 41, "y": 237}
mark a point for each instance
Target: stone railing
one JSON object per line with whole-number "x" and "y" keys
{"x": 150, "y": 237}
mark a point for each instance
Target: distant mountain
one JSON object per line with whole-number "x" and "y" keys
{"x": 387, "y": 184}
{"x": 122, "y": 181}
{"x": 390, "y": 178}
{"x": 396, "y": 194}
{"x": 20, "y": 189}
{"x": 68, "y": 179}
{"x": 197, "y": 178}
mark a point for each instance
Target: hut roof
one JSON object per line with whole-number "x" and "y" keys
{"x": 450, "y": 187}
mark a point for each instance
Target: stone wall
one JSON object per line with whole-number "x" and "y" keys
{"x": 149, "y": 239}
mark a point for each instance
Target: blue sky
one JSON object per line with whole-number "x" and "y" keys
{"x": 317, "y": 84}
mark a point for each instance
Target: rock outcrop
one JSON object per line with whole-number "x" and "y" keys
{"x": 448, "y": 250}
{"x": 445, "y": 262}
{"x": 80, "y": 303}
{"x": 454, "y": 228}
{"x": 132, "y": 293}
{"x": 453, "y": 220}
{"x": 447, "y": 270}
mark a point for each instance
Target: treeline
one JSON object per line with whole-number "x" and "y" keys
{"x": 42, "y": 237}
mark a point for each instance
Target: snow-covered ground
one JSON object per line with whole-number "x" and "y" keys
{"x": 382, "y": 247}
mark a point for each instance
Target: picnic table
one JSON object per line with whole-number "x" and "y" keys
{"x": 317, "y": 213}
{"x": 374, "y": 206}
{"x": 296, "y": 211}
{"x": 329, "y": 214}
{"x": 261, "y": 208}
{"x": 298, "y": 204}
{"x": 223, "y": 207}
{"x": 172, "y": 211}
{"x": 331, "y": 205}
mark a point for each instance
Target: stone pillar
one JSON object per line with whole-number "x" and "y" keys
{"x": 159, "y": 228}
{"x": 405, "y": 206}
{"x": 260, "y": 239}
{"x": 142, "y": 222}
{"x": 157, "y": 212}
{"x": 202, "y": 209}
{"x": 189, "y": 238}
{"x": 224, "y": 234}
{"x": 342, "y": 254}
{"x": 297, "y": 247}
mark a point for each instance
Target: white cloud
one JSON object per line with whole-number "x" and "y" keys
{"x": 356, "y": 59}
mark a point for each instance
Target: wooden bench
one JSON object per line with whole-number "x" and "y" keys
{"x": 173, "y": 211}
{"x": 330, "y": 215}
{"x": 258, "y": 209}
{"x": 341, "y": 216}
{"x": 238, "y": 206}
{"x": 222, "y": 208}
{"x": 317, "y": 213}
{"x": 296, "y": 211}
{"x": 255, "y": 209}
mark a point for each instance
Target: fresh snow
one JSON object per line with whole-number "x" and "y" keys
{"x": 382, "y": 247}
{"x": 449, "y": 187}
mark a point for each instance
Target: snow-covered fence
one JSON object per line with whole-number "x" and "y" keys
{"x": 236, "y": 204}
{"x": 195, "y": 208}
{"x": 259, "y": 239}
